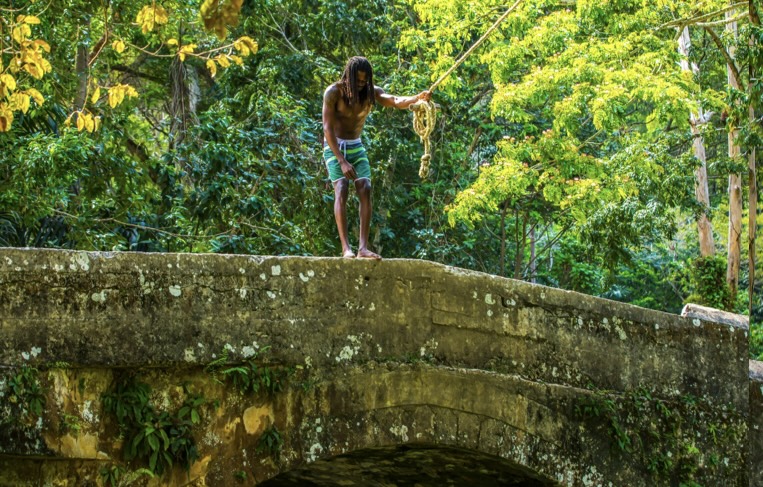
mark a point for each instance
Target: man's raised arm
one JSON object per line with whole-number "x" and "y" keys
{"x": 402, "y": 102}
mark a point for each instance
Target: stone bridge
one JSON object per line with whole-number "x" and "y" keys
{"x": 225, "y": 370}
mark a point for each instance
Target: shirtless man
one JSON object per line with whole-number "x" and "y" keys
{"x": 346, "y": 105}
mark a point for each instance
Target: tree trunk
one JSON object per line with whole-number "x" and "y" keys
{"x": 520, "y": 257}
{"x": 503, "y": 238}
{"x": 532, "y": 255}
{"x": 185, "y": 94}
{"x": 751, "y": 162}
{"x": 82, "y": 77}
{"x": 179, "y": 107}
{"x": 704, "y": 227}
{"x": 735, "y": 180}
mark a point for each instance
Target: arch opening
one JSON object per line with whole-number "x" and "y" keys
{"x": 409, "y": 465}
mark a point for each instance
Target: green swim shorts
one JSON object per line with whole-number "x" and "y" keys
{"x": 355, "y": 154}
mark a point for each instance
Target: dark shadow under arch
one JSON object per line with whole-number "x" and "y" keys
{"x": 410, "y": 465}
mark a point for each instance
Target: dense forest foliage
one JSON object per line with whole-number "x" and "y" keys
{"x": 606, "y": 147}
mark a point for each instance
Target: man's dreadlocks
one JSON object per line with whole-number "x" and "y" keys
{"x": 349, "y": 81}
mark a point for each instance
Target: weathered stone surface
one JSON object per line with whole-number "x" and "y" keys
{"x": 756, "y": 423}
{"x": 389, "y": 353}
{"x": 715, "y": 315}
{"x": 184, "y": 309}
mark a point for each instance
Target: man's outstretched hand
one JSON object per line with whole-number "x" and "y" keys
{"x": 424, "y": 95}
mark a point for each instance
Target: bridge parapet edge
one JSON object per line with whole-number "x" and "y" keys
{"x": 144, "y": 310}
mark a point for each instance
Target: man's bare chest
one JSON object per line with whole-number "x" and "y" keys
{"x": 349, "y": 113}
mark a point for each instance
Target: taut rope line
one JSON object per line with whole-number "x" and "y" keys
{"x": 424, "y": 112}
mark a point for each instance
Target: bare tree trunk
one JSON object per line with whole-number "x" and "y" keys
{"x": 503, "y": 238}
{"x": 179, "y": 107}
{"x": 752, "y": 176}
{"x": 520, "y": 257}
{"x": 753, "y": 216}
{"x": 185, "y": 94}
{"x": 704, "y": 227}
{"x": 81, "y": 69}
{"x": 532, "y": 255}
{"x": 735, "y": 180}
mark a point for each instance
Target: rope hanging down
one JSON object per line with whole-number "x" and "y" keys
{"x": 425, "y": 112}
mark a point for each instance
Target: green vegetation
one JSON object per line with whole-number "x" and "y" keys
{"x": 117, "y": 476}
{"x": 153, "y": 438}
{"x": 23, "y": 399}
{"x": 708, "y": 279}
{"x": 249, "y": 376}
{"x": 270, "y": 442}
{"x": 662, "y": 434}
{"x": 563, "y": 154}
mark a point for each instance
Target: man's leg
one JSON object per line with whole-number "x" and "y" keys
{"x": 363, "y": 187}
{"x": 340, "y": 215}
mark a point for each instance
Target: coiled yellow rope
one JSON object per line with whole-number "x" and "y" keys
{"x": 425, "y": 113}
{"x": 424, "y": 116}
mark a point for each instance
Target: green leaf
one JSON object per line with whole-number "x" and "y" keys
{"x": 153, "y": 442}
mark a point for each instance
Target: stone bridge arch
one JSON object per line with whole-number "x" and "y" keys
{"x": 389, "y": 355}
{"x": 478, "y": 416}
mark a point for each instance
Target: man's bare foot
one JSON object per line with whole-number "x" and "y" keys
{"x": 348, "y": 254}
{"x": 367, "y": 254}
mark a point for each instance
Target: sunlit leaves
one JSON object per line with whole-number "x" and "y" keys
{"x": 185, "y": 50}
{"x": 85, "y": 120}
{"x": 218, "y": 15}
{"x": 36, "y": 96}
{"x": 117, "y": 94}
{"x": 118, "y": 46}
{"x": 96, "y": 95}
{"x": 588, "y": 83}
{"x": 6, "y": 117}
{"x": 7, "y": 85}
{"x": 245, "y": 46}
{"x": 151, "y": 16}
{"x": 20, "y": 102}
{"x": 27, "y": 59}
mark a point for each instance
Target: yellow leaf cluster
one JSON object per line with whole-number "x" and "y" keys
{"x": 30, "y": 52}
{"x": 217, "y": 15}
{"x": 28, "y": 57}
{"x": 96, "y": 95}
{"x": 21, "y": 33}
{"x": 36, "y": 96}
{"x": 19, "y": 101}
{"x": 85, "y": 121}
{"x": 6, "y": 117}
{"x": 118, "y": 46}
{"x": 222, "y": 60}
{"x": 117, "y": 94}
{"x": 212, "y": 67}
{"x": 245, "y": 46}
{"x": 150, "y": 16}
{"x": 7, "y": 85}
{"x": 187, "y": 49}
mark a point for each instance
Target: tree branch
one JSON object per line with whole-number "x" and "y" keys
{"x": 729, "y": 60}
{"x": 723, "y": 21}
{"x": 681, "y": 23}
{"x": 126, "y": 69}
